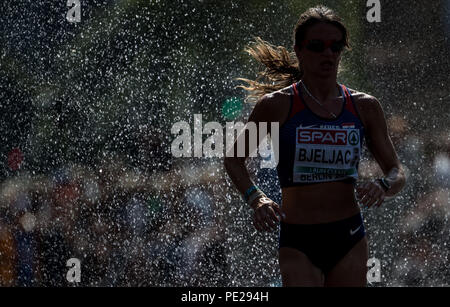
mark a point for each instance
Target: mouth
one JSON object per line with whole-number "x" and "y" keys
{"x": 326, "y": 63}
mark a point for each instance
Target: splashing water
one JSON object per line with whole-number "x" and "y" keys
{"x": 87, "y": 109}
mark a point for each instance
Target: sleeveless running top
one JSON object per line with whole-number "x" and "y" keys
{"x": 313, "y": 149}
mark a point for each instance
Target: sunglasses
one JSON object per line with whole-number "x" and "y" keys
{"x": 317, "y": 45}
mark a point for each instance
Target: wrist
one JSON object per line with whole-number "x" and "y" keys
{"x": 252, "y": 189}
{"x": 255, "y": 198}
{"x": 384, "y": 184}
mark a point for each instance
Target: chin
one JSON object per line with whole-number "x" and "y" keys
{"x": 326, "y": 73}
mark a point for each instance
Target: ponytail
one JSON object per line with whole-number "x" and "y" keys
{"x": 282, "y": 69}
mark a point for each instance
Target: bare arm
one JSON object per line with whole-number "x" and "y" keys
{"x": 380, "y": 145}
{"x": 270, "y": 108}
{"x": 267, "y": 110}
{"x": 235, "y": 166}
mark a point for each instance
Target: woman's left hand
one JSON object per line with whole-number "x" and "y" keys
{"x": 370, "y": 193}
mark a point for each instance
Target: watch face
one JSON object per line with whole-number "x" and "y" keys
{"x": 385, "y": 183}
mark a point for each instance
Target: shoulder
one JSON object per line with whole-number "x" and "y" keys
{"x": 274, "y": 99}
{"x": 364, "y": 100}
{"x": 274, "y": 106}
{"x": 369, "y": 107}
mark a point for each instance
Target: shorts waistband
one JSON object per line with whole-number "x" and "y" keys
{"x": 357, "y": 218}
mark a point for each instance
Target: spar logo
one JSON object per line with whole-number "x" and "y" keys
{"x": 322, "y": 136}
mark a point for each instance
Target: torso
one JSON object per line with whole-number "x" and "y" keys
{"x": 321, "y": 202}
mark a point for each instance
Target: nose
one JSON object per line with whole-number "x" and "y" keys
{"x": 328, "y": 51}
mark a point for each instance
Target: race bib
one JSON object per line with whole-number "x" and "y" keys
{"x": 326, "y": 154}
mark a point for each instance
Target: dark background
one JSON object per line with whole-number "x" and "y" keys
{"x": 86, "y": 114}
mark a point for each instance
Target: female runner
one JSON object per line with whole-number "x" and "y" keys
{"x": 322, "y": 124}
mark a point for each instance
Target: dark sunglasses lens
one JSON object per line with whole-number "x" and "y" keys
{"x": 319, "y": 46}
{"x": 337, "y": 47}
{"x": 316, "y": 46}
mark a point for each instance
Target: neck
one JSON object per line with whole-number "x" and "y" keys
{"x": 321, "y": 88}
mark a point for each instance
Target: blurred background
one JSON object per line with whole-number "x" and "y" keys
{"x": 86, "y": 111}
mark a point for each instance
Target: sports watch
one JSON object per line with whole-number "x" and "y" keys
{"x": 384, "y": 184}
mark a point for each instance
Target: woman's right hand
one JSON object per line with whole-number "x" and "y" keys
{"x": 266, "y": 214}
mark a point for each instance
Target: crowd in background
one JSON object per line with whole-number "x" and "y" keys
{"x": 173, "y": 228}
{"x": 123, "y": 233}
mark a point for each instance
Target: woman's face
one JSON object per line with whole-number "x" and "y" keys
{"x": 323, "y": 63}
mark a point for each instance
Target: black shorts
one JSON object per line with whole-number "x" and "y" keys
{"x": 324, "y": 244}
